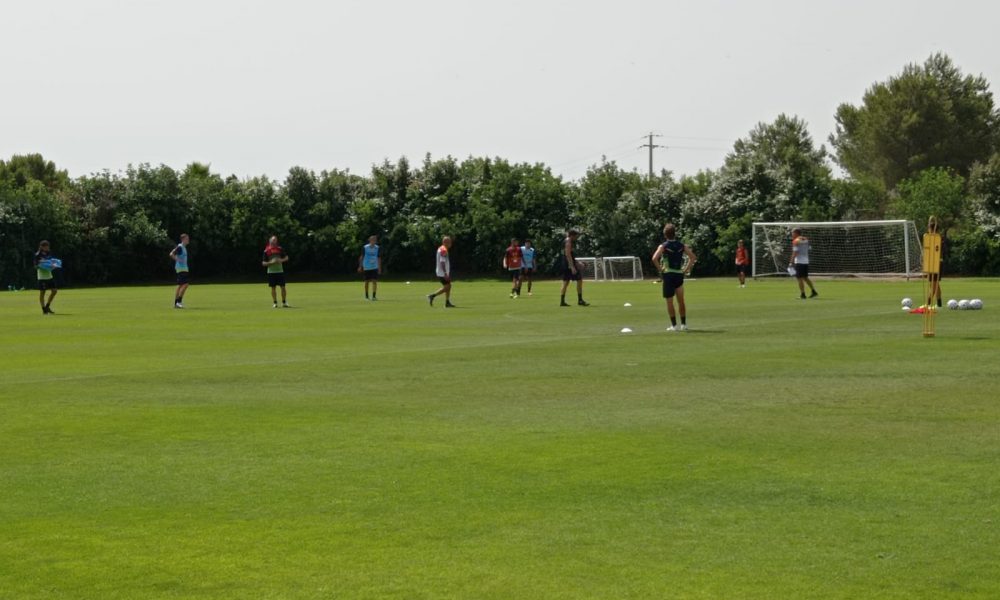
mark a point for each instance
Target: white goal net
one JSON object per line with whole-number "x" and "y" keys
{"x": 844, "y": 248}
{"x": 622, "y": 268}
{"x": 610, "y": 268}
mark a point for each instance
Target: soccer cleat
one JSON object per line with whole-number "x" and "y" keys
{"x": 531, "y": 294}
{"x": 682, "y": 327}
{"x": 583, "y": 303}
{"x": 814, "y": 294}
{"x": 564, "y": 303}
{"x": 671, "y": 328}
{"x": 448, "y": 304}
{"x": 178, "y": 305}
{"x": 802, "y": 296}
{"x": 430, "y": 298}
{"x": 45, "y": 310}
{"x": 275, "y": 305}
{"x": 285, "y": 305}
{"x": 515, "y": 296}
{"x": 374, "y": 299}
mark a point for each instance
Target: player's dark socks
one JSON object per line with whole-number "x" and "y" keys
{"x": 939, "y": 302}
{"x": 45, "y": 310}
{"x": 814, "y": 294}
{"x": 430, "y": 298}
{"x": 673, "y": 321}
{"x": 684, "y": 320}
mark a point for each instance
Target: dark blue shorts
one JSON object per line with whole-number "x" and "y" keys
{"x": 515, "y": 273}
{"x": 371, "y": 275}
{"x": 802, "y": 271}
{"x": 671, "y": 283}
{"x": 569, "y": 275}
{"x": 47, "y": 284}
{"x": 183, "y": 277}
{"x": 276, "y": 279}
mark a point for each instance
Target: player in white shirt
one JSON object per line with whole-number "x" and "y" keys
{"x": 800, "y": 261}
{"x": 443, "y": 272}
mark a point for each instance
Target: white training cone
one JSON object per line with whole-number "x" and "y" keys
{"x": 628, "y": 304}
{"x": 626, "y": 330}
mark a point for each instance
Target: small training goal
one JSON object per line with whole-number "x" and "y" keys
{"x": 841, "y": 248}
{"x": 610, "y": 268}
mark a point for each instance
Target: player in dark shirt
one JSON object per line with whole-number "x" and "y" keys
{"x": 669, "y": 260}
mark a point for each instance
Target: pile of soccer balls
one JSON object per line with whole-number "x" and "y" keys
{"x": 974, "y": 304}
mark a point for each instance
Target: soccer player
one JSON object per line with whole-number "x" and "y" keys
{"x": 180, "y": 256}
{"x": 512, "y": 262}
{"x": 45, "y": 279}
{"x": 527, "y": 265}
{"x": 800, "y": 259}
{"x": 370, "y": 264}
{"x": 275, "y": 259}
{"x": 672, "y": 253}
{"x": 742, "y": 263}
{"x": 571, "y": 270}
{"x": 443, "y": 271}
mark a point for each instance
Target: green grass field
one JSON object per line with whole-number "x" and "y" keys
{"x": 502, "y": 449}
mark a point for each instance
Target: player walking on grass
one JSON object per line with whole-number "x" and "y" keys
{"x": 527, "y": 265}
{"x": 742, "y": 263}
{"x": 43, "y": 269}
{"x": 443, "y": 272}
{"x": 512, "y": 262}
{"x": 668, "y": 259}
{"x": 275, "y": 259}
{"x": 370, "y": 264}
{"x": 800, "y": 260}
{"x": 180, "y": 256}
{"x": 571, "y": 270}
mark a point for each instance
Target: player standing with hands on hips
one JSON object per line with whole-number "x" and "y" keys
{"x": 571, "y": 270}
{"x": 180, "y": 256}
{"x": 800, "y": 261}
{"x": 443, "y": 272}
{"x": 275, "y": 259}
{"x": 669, "y": 260}
{"x": 527, "y": 265}
{"x": 370, "y": 264}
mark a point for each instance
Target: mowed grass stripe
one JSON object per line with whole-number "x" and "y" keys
{"x": 508, "y": 448}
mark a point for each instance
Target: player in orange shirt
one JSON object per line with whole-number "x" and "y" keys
{"x": 742, "y": 263}
{"x": 512, "y": 262}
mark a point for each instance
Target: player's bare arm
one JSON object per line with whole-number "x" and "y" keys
{"x": 691, "y": 259}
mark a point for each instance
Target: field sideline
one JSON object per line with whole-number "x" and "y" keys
{"x": 501, "y": 449}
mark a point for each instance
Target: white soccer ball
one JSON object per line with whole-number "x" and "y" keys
{"x": 963, "y": 304}
{"x": 976, "y": 304}
{"x": 907, "y": 303}
{"x": 953, "y": 304}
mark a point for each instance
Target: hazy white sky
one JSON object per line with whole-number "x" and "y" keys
{"x": 255, "y": 87}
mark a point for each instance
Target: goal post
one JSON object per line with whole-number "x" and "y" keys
{"x": 591, "y": 268}
{"x": 840, "y": 248}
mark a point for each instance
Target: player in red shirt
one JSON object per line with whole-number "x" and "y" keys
{"x": 512, "y": 262}
{"x": 742, "y": 263}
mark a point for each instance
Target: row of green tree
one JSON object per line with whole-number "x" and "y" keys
{"x": 926, "y": 141}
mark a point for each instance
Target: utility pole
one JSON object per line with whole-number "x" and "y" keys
{"x": 651, "y": 146}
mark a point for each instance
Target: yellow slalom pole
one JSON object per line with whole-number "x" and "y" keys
{"x": 932, "y": 275}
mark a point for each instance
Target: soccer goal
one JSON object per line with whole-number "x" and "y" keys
{"x": 841, "y": 248}
{"x": 622, "y": 268}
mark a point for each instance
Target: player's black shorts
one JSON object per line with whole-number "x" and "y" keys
{"x": 745, "y": 269}
{"x": 514, "y": 273}
{"x": 527, "y": 271}
{"x": 569, "y": 275}
{"x": 371, "y": 274}
{"x": 182, "y": 277}
{"x": 671, "y": 283}
{"x": 276, "y": 279}
{"x": 47, "y": 284}
{"x": 444, "y": 280}
{"x": 802, "y": 271}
